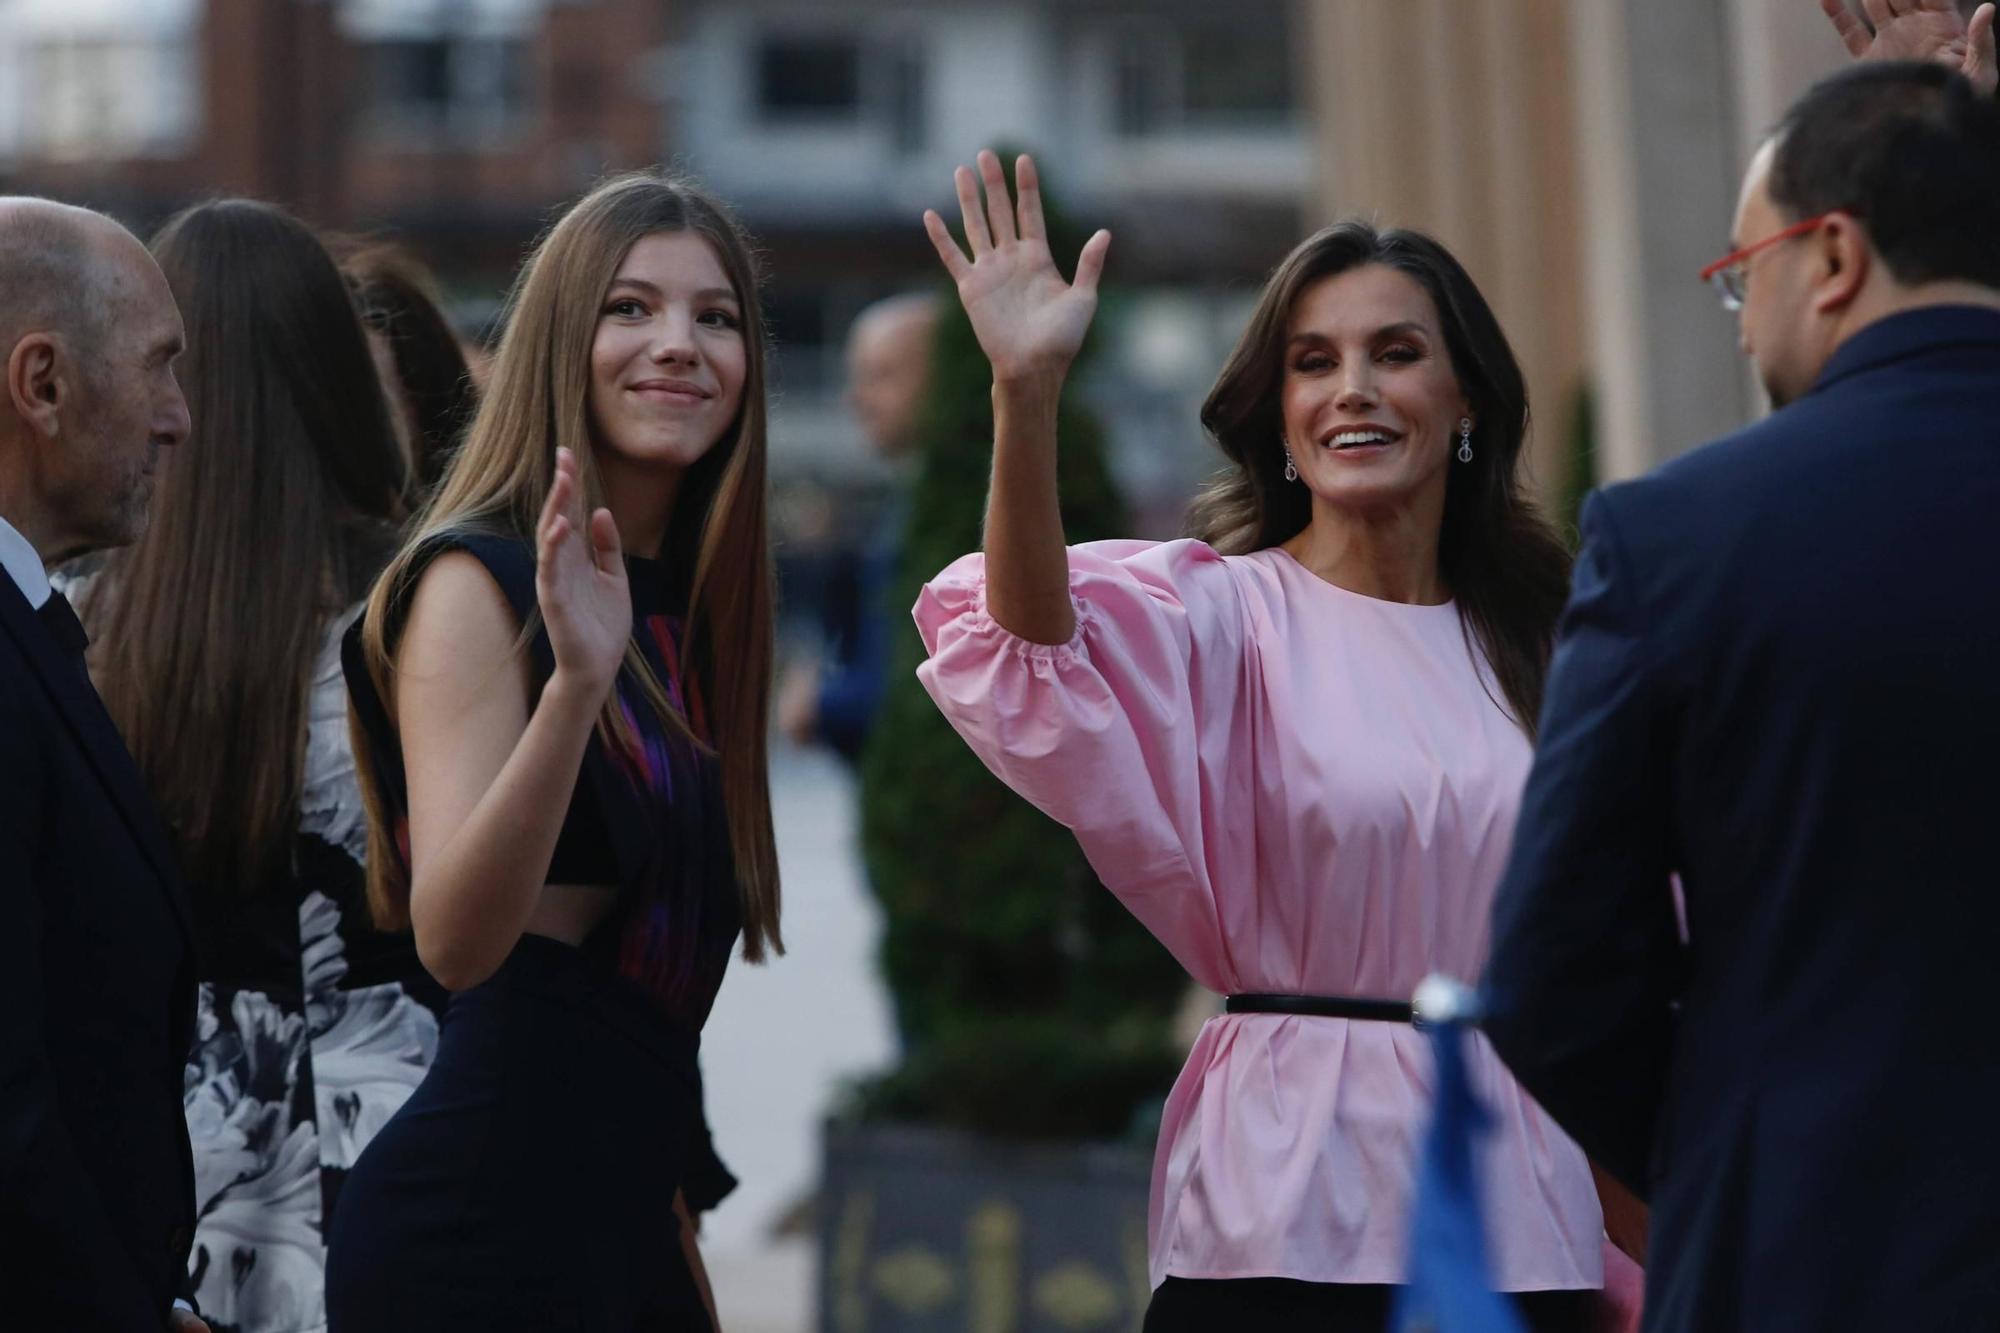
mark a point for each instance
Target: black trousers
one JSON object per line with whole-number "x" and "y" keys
{"x": 1280, "y": 1304}
{"x": 528, "y": 1183}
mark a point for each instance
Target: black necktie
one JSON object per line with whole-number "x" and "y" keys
{"x": 59, "y": 618}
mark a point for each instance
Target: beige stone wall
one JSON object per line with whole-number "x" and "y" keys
{"x": 1455, "y": 117}
{"x": 1582, "y": 158}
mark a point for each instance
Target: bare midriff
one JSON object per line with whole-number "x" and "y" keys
{"x": 569, "y": 912}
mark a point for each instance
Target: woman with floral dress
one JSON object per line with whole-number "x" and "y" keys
{"x": 215, "y": 642}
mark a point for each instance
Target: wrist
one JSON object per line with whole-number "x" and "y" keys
{"x": 572, "y": 693}
{"x": 1036, "y": 390}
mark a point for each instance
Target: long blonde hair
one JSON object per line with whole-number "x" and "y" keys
{"x": 498, "y": 481}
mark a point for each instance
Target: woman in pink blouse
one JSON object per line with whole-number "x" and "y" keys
{"x": 1293, "y": 747}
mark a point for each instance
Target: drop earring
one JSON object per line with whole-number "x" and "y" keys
{"x": 1291, "y": 468}
{"x": 1465, "y": 439}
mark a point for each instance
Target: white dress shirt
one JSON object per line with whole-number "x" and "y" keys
{"x": 24, "y": 565}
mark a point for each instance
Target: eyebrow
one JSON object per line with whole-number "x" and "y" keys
{"x": 653, "y": 290}
{"x": 1401, "y": 330}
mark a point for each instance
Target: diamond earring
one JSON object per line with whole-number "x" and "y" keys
{"x": 1465, "y": 439}
{"x": 1291, "y": 468}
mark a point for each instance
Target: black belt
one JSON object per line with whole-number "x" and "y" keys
{"x": 1322, "y": 1006}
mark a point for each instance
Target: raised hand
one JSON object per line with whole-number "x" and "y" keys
{"x": 1920, "y": 30}
{"x": 1028, "y": 320}
{"x": 580, "y": 582}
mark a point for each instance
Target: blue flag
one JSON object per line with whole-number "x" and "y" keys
{"x": 1448, "y": 1288}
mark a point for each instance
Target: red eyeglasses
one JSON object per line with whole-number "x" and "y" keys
{"x": 1730, "y": 273}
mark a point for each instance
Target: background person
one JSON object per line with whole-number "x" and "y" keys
{"x": 888, "y": 370}
{"x": 216, "y": 641}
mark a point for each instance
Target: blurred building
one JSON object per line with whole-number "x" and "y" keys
{"x": 1583, "y": 158}
{"x": 457, "y": 123}
{"x": 1581, "y": 155}
{"x": 1176, "y": 123}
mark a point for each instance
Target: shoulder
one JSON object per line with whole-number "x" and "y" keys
{"x": 455, "y": 574}
{"x": 458, "y": 607}
{"x": 1733, "y": 474}
{"x": 507, "y": 561}
{"x": 1183, "y": 566}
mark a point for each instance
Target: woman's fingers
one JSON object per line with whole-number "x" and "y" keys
{"x": 1980, "y": 65}
{"x": 1878, "y": 11}
{"x": 1028, "y": 185}
{"x": 558, "y": 500}
{"x": 1852, "y": 30}
{"x": 604, "y": 544}
{"x": 976, "y": 235}
{"x": 955, "y": 262}
{"x": 1090, "y": 264}
{"x": 999, "y": 208}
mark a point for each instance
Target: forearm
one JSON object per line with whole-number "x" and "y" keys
{"x": 470, "y": 903}
{"x": 1027, "y": 560}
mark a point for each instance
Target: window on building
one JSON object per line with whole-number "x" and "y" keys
{"x": 814, "y": 77}
{"x": 1209, "y": 72}
{"x": 104, "y": 99}
{"x": 807, "y": 354}
{"x": 460, "y": 87}
{"x": 902, "y": 103}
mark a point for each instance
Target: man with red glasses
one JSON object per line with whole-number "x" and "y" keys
{"x": 1778, "y": 681}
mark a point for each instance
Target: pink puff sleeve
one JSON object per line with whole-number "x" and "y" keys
{"x": 1136, "y": 734}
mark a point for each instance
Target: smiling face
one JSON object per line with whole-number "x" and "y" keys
{"x": 1370, "y": 400}
{"x": 668, "y": 361}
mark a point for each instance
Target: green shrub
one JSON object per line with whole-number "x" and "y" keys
{"x": 1031, "y": 1004}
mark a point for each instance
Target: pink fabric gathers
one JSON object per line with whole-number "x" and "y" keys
{"x": 1297, "y": 789}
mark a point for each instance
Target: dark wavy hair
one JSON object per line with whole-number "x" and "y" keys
{"x": 1506, "y": 570}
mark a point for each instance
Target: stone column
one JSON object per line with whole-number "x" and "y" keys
{"x": 1456, "y": 118}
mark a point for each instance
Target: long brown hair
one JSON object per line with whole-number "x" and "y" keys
{"x": 273, "y": 517}
{"x": 1506, "y": 570}
{"x": 497, "y": 482}
{"x": 401, "y": 302}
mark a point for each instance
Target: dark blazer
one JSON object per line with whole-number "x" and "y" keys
{"x": 1779, "y": 678}
{"x": 96, "y": 1009}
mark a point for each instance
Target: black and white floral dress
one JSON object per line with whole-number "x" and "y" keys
{"x": 313, "y": 1028}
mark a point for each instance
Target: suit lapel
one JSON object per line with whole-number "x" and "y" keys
{"x": 80, "y": 708}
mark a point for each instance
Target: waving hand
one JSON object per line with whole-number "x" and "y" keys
{"x": 580, "y": 581}
{"x": 1920, "y": 30}
{"x": 1028, "y": 320}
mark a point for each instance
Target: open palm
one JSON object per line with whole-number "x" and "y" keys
{"x": 1028, "y": 320}
{"x": 1920, "y": 30}
{"x": 580, "y": 581}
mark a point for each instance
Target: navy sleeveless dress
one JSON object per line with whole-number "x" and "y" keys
{"x": 528, "y": 1182}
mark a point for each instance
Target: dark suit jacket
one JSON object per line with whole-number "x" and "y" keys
{"x": 1779, "y": 678}
{"x": 96, "y": 1010}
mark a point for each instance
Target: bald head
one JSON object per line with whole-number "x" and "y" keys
{"x": 888, "y": 366}
{"x": 89, "y": 334}
{"x": 63, "y": 269}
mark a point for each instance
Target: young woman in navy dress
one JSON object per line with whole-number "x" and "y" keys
{"x": 560, "y": 690}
